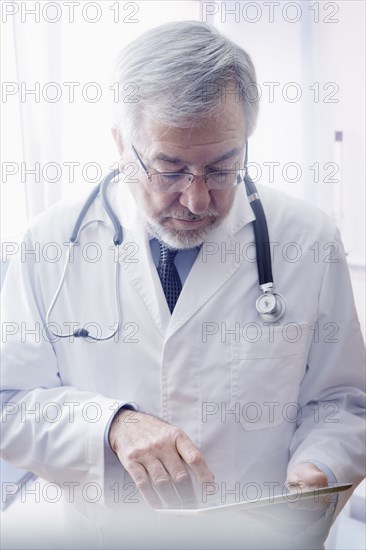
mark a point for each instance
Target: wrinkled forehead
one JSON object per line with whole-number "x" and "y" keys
{"x": 208, "y": 140}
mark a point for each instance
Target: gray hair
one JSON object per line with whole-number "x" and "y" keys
{"x": 179, "y": 73}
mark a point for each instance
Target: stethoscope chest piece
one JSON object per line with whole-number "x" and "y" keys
{"x": 271, "y": 306}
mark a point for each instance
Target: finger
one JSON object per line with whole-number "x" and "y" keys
{"x": 161, "y": 483}
{"x": 186, "y": 492}
{"x": 194, "y": 459}
{"x": 182, "y": 482}
{"x": 306, "y": 475}
{"x": 141, "y": 478}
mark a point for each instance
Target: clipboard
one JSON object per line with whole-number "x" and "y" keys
{"x": 249, "y": 505}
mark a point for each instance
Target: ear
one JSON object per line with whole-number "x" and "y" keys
{"x": 118, "y": 140}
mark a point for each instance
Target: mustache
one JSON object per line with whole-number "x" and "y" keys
{"x": 187, "y": 215}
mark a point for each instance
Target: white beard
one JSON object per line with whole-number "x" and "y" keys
{"x": 180, "y": 238}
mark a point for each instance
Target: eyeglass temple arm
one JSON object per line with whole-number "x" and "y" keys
{"x": 140, "y": 160}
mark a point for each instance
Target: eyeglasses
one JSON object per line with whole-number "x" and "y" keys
{"x": 173, "y": 182}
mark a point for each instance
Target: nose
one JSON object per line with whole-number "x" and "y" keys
{"x": 197, "y": 197}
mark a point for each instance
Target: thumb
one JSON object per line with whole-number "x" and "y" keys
{"x": 306, "y": 474}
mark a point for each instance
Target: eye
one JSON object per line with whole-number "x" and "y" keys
{"x": 170, "y": 177}
{"x": 220, "y": 176}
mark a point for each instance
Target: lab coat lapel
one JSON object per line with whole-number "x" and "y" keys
{"x": 216, "y": 261}
{"x": 145, "y": 278}
{"x": 211, "y": 270}
{"x": 136, "y": 259}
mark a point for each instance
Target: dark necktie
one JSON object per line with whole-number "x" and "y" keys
{"x": 169, "y": 275}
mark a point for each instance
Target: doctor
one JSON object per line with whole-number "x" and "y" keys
{"x": 195, "y": 400}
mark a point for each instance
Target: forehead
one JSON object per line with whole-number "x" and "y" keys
{"x": 206, "y": 141}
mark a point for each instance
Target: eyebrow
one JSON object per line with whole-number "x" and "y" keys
{"x": 176, "y": 160}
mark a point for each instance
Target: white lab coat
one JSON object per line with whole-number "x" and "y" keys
{"x": 256, "y": 399}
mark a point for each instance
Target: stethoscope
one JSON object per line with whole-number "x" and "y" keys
{"x": 270, "y": 305}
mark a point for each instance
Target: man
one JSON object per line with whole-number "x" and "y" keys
{"x": 195, "y": 400}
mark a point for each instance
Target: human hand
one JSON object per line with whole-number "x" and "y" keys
{"x": 296, "y": 516}
{"x": 159, "y": 457}
{"x": 305, "y": 476}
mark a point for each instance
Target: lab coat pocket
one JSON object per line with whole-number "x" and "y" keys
{"x": 266, "y": 370}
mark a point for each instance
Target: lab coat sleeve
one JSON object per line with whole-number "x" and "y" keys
{"x": 331, "y": 427}
{"x": 55, "y": 431}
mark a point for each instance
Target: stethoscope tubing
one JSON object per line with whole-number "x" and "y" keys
{"x": 262, "y": 243}
{"x": 84, "y": 333}
{"x": 260, "y": 227}
{"x": 100, "y": 189}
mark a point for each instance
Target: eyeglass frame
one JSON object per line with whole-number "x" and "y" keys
{"x": 194, "y": 176}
